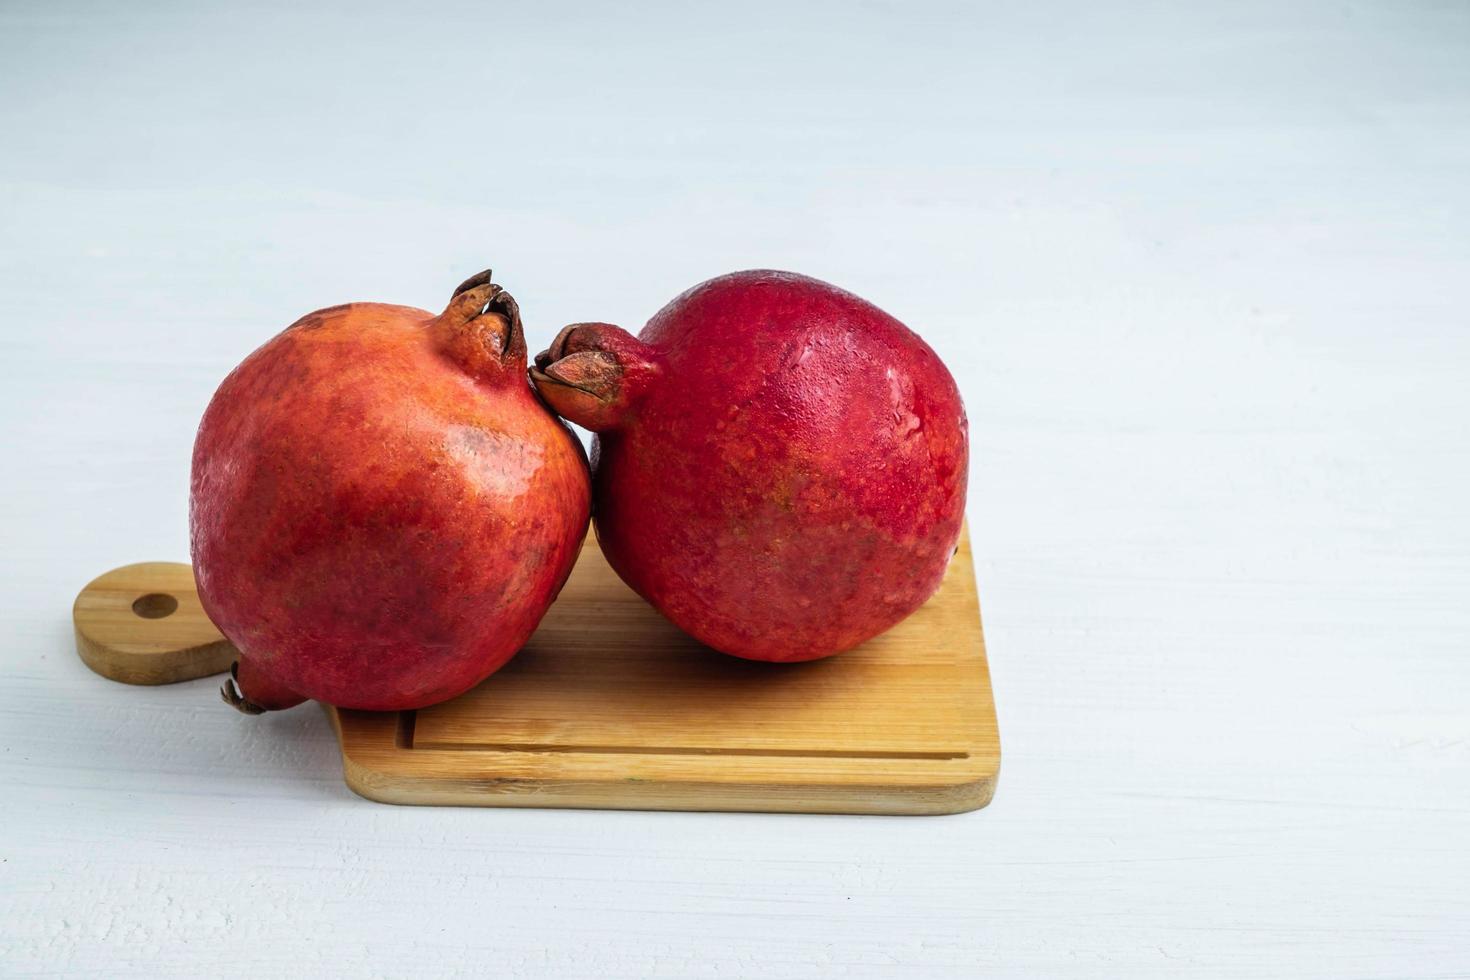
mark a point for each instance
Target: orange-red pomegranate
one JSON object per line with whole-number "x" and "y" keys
{"x": 381, "y": 509}
{"x": 779, "y": 466}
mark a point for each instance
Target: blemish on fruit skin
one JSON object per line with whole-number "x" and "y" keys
{"x": 498, "y": 464}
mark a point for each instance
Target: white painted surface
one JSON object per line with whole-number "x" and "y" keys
{"x": 1203, "y": 275}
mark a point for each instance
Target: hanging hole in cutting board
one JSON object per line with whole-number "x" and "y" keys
{"x": 155, "y": 605}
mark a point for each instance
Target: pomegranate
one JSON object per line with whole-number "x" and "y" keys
{"x": 381, "y": 509}
{"x": 779, "y": 466}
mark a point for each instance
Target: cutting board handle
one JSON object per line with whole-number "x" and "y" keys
{"x": 144, "y": 624}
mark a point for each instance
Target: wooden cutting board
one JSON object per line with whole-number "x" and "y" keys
{"x": 609, "y": 705}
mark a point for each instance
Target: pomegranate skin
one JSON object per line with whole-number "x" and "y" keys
{"x": 381, "y": 510}
{"x": 780, "y": 467}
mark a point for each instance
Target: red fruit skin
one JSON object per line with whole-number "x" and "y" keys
{"x": 780, "y": 466}
{"x": 381, "y": 509}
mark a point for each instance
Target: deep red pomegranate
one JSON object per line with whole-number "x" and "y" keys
{"x": 381, "y": 509}
{"x": 779, "y": 467}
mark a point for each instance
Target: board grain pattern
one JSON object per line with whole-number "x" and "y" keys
{"x": 609, "y": 705}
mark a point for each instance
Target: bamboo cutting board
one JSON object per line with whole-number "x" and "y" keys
{"x": 610, "y": 705}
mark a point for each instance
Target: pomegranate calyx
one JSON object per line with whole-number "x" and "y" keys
{"x": 593, "y": 373}
{"x": 231, "y": 695}
{"x": 481, "y": 331}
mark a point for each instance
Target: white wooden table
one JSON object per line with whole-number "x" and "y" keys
{"x": 1204, "y": 277}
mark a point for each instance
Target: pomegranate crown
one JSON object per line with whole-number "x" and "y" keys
{"x": 594, "y": 373}
{"x": 481, "y": 331}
